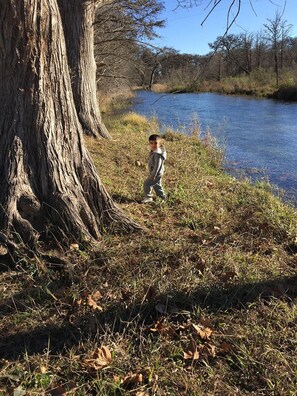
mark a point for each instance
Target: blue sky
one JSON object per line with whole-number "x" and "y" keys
{"x": 184, "y": 32}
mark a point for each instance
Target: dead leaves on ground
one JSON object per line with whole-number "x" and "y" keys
{"x": 102, "y": 358}
{"x": 91, "y": 300}
{"x": 99, "y": 359}
{"x": 3, "y": 250}
{"x": 203, "y": 332}
{"x": 132, "y": 379}
{"x": 200, "y": 345}
{"x": 196, "y": 351}
{"x": 134, "y": 382}
{"x": 191, "y": 352}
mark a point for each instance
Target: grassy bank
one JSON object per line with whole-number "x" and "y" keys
{"x": 259, "y": 84}
{"x": 201, "y": 302}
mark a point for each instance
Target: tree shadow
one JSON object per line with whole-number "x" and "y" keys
{"x": 6, "y": 263}
{"x": 123, "y": 199}
{"x": 219, "y": 298}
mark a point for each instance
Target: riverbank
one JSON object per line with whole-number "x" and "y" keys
{"x": 243, "y": 86}
{"x": 202, "y": 301}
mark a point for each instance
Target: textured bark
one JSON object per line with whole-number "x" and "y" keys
{"x": 47, "y": 178}
{"x": 78, "y": 19}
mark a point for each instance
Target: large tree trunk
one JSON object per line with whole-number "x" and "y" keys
{"x": 78, "y": 21}
{"x": 47, "y": 179}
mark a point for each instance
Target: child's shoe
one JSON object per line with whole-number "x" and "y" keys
{"x": 147, "y": 200}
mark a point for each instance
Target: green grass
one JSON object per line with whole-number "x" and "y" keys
{"x": 220, "y": 253}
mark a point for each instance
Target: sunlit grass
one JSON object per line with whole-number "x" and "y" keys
{"x": 134, "y": 120}
{"x": 220, "y": 253}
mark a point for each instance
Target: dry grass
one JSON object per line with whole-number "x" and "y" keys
{"x": 202, "y": 302}
{"x": 159, "y": 88}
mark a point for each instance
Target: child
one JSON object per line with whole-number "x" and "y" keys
{"x": 156, "y": 170}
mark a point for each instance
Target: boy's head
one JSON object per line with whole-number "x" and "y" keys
{"x": 155, "y": 141}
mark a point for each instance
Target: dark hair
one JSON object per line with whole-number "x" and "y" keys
{"x": 154, "y": 137}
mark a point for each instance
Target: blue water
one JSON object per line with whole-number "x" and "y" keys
{"x": 259, "y": 136}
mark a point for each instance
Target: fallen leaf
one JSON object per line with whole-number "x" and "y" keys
{"x": 157, "y": 327}
{"x": 74, "y": 246}
{"x": 204, "y": 332}
{"x": 99, "y": 359}
{"x": 191, "y": 353}
{"x": 90, "y": 300}
{"x": 96, "y": 295}
{"x": 212, "y": 350}
{"x": 132, "y": 379}
{"x": 91, "y": 303}
{"x": 3, "y": 250}
{"x": 207, "y": 350}
{"x": 141, "y": 393}
{"x": 162, "y": 328}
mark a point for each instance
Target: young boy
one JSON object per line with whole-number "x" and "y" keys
{"x": 156, "y": 170}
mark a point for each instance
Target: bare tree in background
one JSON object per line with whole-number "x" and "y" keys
{"x": 122, "y": 29}
{"x": 236, "y": 51}
{"x": 277, "y": 32}
{"x": 233, "y": 10}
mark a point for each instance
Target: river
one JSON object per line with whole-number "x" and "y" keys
{"x": 258, "y": 136}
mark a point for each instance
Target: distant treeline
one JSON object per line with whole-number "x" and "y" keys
{"x": 262, "y": 63}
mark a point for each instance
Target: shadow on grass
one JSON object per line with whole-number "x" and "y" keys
{"x": 6, "y": 263}
{"x": 215, "y": 299}
{"x": 123, "y": 199}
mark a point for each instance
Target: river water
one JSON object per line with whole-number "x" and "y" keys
{"x": 259, "y": 136}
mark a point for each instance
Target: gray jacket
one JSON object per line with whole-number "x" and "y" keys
{"x": 156, "y": 163}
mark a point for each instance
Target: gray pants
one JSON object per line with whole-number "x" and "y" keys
{"x": 155, "y": 184}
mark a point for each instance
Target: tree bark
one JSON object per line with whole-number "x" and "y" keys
{"x": 48, "y": 182}
{"x": 78, "y": 22}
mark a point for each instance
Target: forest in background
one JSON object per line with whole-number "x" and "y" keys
{"x": 253, "y": 63}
